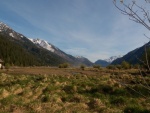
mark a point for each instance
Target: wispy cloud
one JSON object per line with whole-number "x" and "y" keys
{"x": 94, "y": 29}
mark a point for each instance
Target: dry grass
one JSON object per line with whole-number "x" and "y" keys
{"x": 71, "y": 90}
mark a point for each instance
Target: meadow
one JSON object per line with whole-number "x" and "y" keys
{"x": 73, "y": 90}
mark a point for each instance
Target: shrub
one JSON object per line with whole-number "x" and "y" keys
{"x": 82, "y": 67}
{"x": 7, "y": 65}
{"x": 125, "y": 65}
{"x": 110, "y": 67}
{"x": 96, "y": 66}
{"x": 64, "y": 65}
{"x": 136, "y": 66}
{"x": 118, "y": 67}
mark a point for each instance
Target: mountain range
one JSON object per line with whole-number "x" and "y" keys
{"x": 106, "y": 62}
{"x": 17, "y": 49}
{"x": 136, "y": 56}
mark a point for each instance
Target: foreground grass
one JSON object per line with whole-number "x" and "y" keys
{"x": 72, "y": 91}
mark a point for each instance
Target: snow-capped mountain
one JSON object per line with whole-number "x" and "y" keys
{"x": 43, "y": 44}
{"x": 112, "y": 58}
{"x": 77, "y": 59}
{"x": 40, "y": 50}
{"x": 107, "y": 62}
{"x": 5, "y": 29}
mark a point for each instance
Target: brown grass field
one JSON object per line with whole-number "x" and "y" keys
{"x": 73, "y": 90}
{"x": 47, "y": 70}
{"x": 65, "y": 71}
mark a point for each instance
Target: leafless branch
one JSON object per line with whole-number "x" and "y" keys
{"x": 138, "y": 14}
{"x": 147, "y": 36}
{"x": 134, "y": 15}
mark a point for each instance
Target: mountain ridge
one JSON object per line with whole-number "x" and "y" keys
{"x": 133, "y": 56}
{"x": 46, "y": 45}
{"x": 106, "y": 62}
{"x": 46, "y": 53}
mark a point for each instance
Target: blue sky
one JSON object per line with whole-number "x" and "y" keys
{"x": 94, "y": 29}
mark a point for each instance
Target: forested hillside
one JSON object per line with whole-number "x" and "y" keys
{"x": 135, "y": 56}
{"x": 14, "y": 54}
{"x": 21, "y": 52}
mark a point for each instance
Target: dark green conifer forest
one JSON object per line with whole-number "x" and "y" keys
{"x": 14, "y": 54}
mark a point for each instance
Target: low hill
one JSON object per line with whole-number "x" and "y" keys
{"x": 106, "y": 62}
{"x": 102, "y": 63}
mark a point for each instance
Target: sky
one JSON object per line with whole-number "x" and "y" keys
{"x": 94, "y": 29}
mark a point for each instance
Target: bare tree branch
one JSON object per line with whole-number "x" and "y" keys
{"x": 147, "y": 36}
{"x": 139, "y": 16}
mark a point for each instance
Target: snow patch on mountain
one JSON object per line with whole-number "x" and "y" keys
{"x": 3, "y": 27}
{"x": 111, "y": 59}
{"x": 11, "y": 34}
{"x": 79, "y": 57}
{"x": 43, "y": 44}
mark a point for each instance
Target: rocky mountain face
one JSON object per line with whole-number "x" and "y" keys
{"x": 43, "y": 44}
{"x": 43, "y": 52}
